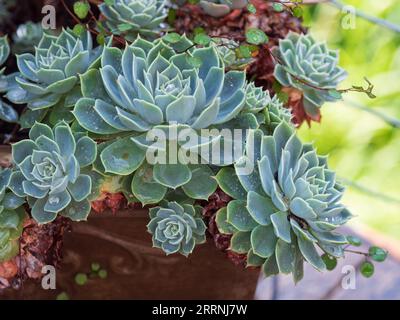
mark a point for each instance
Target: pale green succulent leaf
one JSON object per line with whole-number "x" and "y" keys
{"x": 284, "y": 257}
{"x": 240, "y": 242}
{"x": 260, "y": 208}
{"x": 202, "y": 183}
{"x": 172, "y": 175}
{"x": 86, "y": 151}
{"x": 145, "y": 188}
{"x": 40, "y": 214}
{"x": 230, "y": 184}
{"x": 309, "y": 252}
{"x": 239, "y": 216}
{"x": 281, "y": 226}
{"x": 122, "y": 157}
{"x": 77, "y": 211}
{"x": 81, "y": 188}
{"x": 253, "y": 260}
{"x": 263, "y": 241}
{"x": 223, "y": 225}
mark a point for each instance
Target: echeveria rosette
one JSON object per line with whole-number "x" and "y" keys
{"x": 131, "y": 18}
{"x": 257, "y": 99}
{"x": 274, "y": 114}
{"x": 286, "y": 207}
{"x": 177, "y": 228}
{"x": 310, "y": 67}
{"x": 48, "y": 172}
{"x": 49, "y": 79}
{"x": 220, "y": 8}
{"x": 153, "y": 86}
{"x": 269, "y": 109}
{"x": 12, "y": 216}
{"x": 278, "y": 113}
{"x": 7, "y": 112}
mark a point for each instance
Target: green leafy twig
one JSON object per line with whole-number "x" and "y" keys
{"x": 368, "y": 90}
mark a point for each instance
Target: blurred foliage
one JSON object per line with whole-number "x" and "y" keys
{"x": 363, "y": 148}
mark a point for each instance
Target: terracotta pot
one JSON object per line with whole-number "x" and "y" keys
{"x": 123, "y": 247}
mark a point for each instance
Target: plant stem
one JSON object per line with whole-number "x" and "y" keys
{"x": 369, "y": 192}
{"x": 392, "y": 121}
{"x": 357, "y": 252}
{"x": 382, "y": 22}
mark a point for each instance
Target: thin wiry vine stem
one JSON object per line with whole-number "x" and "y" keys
{"x": 382, "y": 22}
{"x": 391, "y": 121}
{"x": 369, "y": 192}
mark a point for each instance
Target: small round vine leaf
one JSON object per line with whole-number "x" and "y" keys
{"x": 354, "y": 241}
{"x": 103, "y": 274}
{"x": 81, "y": 279}
{"x": 95, "y": 266}
{"x": 81, "y": 9}
{"x": 172, "y": 37}
{"x": 256, "y": 36}
{"x": 251, "y": 8}
{"x": 202, "y": 39}
{"x": 377, "y": 254}
{"x": 278, "y": 7}
{"x": 367, "y": 269}
{"x": 297, "y": 12}
{"x": 78, "y": 29}
{"x": 62, "y": 296}
{"x": 330, "y": 262}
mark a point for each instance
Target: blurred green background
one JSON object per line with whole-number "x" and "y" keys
{"x": 363, "y": 148}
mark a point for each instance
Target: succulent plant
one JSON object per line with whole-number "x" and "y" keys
{"x": 152, "y": 87}
{"x": 12, "y": 216}
{"x": 27, "y": 36}
{"x": 220, "y": 8}
{"x": 177, "y": 228}
{"x": 310, "y": 67}
{"x": 260, "y": 102}
{"x": 7, "y": 112}
{"x": 48, "y": 172}
{"x": 285, "y": 207}
{"x": 275, "y": 114}
{"x": 50, "y": 78}
{"x": 134, "y": 17}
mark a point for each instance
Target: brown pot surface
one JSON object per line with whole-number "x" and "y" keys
{"x": 123, "y": 247}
